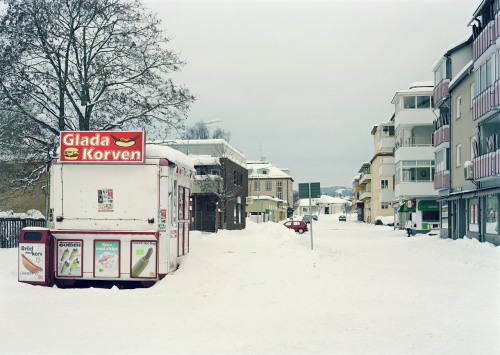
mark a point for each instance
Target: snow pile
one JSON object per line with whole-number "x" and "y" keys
{"x": 386, "y": 220}
{"x": 32, "y": 214}
{"x": 362, "y": 290}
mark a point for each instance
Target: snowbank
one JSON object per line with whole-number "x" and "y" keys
{"x": 34, "y": 214}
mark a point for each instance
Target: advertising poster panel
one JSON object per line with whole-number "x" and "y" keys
{"x": 69, "y": 258}
{"x": 32, "y": 262}
{"x": 143, "y": 259}
{"x": 106, "y": 258}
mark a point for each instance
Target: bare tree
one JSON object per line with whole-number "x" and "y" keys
{"x": 201, "y": 131}
{"x": 84, "y": 65}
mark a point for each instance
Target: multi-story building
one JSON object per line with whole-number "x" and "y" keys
{"x": 415, "y": 196}
{"x": 221, "y": 185}
{"x": 382, "y": 170}
{"x": 365, "y": 194}
{"x": 265, "y": 179}
{"x": 484, "y": 170}
{"x": 447, "y": 69}
{"x": 357, "y": 204}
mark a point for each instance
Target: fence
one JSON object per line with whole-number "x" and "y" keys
{"x": 10, "y": 228}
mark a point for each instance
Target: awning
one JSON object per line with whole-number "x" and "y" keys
{"x": 357, "y": 189}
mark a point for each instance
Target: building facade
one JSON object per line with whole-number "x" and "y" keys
{"x": 449, "y": 69}
{"x": 382, "y": 170}
{"x": 415, "y": 196}
{"x": 220, "y": 188}
{"x": 265, "y": 179}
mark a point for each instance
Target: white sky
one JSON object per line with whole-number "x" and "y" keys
{"x": 304, "y": 82}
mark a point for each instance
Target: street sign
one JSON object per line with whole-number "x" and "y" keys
{"x": 314, "y": 188}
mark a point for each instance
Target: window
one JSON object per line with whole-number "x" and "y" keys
{"x": 471, "y": 94}
{"x": 237, "y": 213}
{"x": 211, "y": 207}
{"x": 268, "y": 185}
{"x": 473, "y": 215}
{"x": 459, "y": 155}
{"x": 423, "y": 101}
{"x": 384, "y": 184}
{"x": 256, "y": 185}
{"x": 280, "y": 195}
{"x": 385, "y": 205}
{"x": 492, "y": 215}
{"x": 408, "y": 102}
{"x": 444, "y": 214}
{"x": 488, "y": 73}
{"x": 459, "y": 107}
{"x": 415, "y": 171}
{"x": 472, "y": 147}
{"x": 279, "y": 183}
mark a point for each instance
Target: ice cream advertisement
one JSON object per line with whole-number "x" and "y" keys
{"x": 32, "y": 262}
{"x": 143, "y": 259}
{"x": 69, "y": 258}
{"x": 106, "y": 258}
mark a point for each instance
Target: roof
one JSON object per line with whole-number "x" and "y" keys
{"x": 272, "y": 171}
{"x": 324, "y": 199}
{"x": 179, "y": 158}
{"x": 453, "y": 48}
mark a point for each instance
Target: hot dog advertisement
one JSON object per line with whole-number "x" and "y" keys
{"x": 69, "y": 258}
{"x": 31, "y": 262}
{"x": 103, "y": 146}
{"x": 106, "y": 258}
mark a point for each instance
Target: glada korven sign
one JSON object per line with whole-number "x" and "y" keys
{"x": 86, "y": 146}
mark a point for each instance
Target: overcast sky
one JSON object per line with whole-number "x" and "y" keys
{"x": 303, "y": 82}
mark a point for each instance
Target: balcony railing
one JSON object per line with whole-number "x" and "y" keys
{"x": 485, "y": 39}
{"x": 486, "y": 101}
{"x": 365, "y": 195}
{"x": 442, "y": 180}
{"x": 487, "y": 165}
{"x": 365, "y": 178}
{"x": 414, "y": 142}
{"x": 441, "y": 91}
{"x": 442, "y": 135}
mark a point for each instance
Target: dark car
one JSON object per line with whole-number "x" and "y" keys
{"x": 307, "y": 218}
{"x": 342, "y": 218}
{"x": 298, "y": 226}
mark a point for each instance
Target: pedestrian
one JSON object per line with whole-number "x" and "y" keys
{"x": 408, "y": 227}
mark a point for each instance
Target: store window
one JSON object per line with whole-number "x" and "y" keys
{"x": 492, "y": 215}
{"x": 444, "y": 214}
{"x": 473, "y": 215}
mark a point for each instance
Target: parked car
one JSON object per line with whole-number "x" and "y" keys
{"x": 307, "y": 218}
{"x": 298, "y": 226}
{"x": 342, "y": 218}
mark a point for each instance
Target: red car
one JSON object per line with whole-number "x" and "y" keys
{"x": 298, "y": 226}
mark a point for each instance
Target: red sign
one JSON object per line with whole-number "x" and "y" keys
{"x": 102, "y": 146}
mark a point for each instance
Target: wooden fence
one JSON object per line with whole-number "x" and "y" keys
{"x": 10, "y": 228}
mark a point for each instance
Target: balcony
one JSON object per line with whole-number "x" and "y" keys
{"x": 414, "y": 189}
{"x": 485, "y": 39}
{"x": 365, "y": 179}
{"x": 487, "y": 165}
{"x": 386, "y": 144}
{"x": 386, "y": 196}
{"x": 483, "y": 105}
{"x": 442, "y": 180}
{"x": 442, "y": 135}
{"x": 387, "y": 167}
{"x": 441, "y": 92}
{"x": 365, "y": 195}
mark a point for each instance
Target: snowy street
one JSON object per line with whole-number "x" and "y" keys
{"x": 364, "y": 289}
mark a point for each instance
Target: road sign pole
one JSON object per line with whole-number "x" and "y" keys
{"x": 310, "y": 216}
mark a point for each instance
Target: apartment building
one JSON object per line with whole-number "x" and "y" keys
{"x": 449, "y": 69}
{"x": 382, "y": 169}
{"x": 221, "y": 185}
{"x": 365, "y": 193}
{"x": 484, "y": 170}
{"x": 414, "y": 193}
{"x": 265, "y": 179}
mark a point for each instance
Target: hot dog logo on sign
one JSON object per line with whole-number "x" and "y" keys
{"x": 102, "y": 146}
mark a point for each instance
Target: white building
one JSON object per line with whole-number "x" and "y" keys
{"x": 415, "y": 196}
{"x": 323, "y": 205}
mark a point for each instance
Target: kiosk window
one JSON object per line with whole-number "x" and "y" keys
{"x": 33, "y": 236}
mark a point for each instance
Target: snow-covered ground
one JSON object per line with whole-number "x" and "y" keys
{"x": 364, "y": 289}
